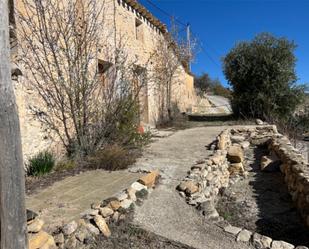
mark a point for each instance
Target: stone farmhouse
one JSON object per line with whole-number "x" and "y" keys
{"x": 142, "y": 34}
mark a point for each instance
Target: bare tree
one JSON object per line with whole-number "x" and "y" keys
{"x": 84, "y": 100}
{"x": 172, "y": 54}
{"x": 12, "y": 182}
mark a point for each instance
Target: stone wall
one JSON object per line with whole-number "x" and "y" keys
{"x": 209, "y": 177}
{"x": 296, "y": 173}
{"x": 120, "y": 17}
{"x": 93, "y": 222}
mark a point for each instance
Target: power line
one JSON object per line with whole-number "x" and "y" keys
{"x": 185, "y": 25}
{"x": 166, "y": 13}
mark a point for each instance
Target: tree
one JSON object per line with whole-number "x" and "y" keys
{"x": 202, "y": 83}
{"x": 262, "y": 75}
{"x": 85, "y": 100}
{"x": 171, "y": 56}
{"x": 12, "y": 182}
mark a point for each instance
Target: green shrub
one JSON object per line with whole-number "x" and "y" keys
{"x": 112, "y": 157}
{"x": 41, "y": 164}
{"x": 262, "y": 75}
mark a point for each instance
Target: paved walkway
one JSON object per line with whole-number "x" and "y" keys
{"x": 66, "y": 199}
{"x": 165, "y": 212}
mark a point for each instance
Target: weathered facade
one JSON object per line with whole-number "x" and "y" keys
{"x": 142, "y": 36}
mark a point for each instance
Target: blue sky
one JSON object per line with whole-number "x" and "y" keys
{"x": 219, "y": 24}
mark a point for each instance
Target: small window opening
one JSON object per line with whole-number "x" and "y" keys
{"x": 103, "y": 68}
{"x": 139, "y": 30}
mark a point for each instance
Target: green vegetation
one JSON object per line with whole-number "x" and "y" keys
{"x": 205, "y": 84}
{"x": 41, "y": 164}
{"x": 262, "y": 75}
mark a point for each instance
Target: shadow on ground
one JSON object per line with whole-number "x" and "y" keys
{"x": 261, "y": 203}
{"x": 278, "y": 216}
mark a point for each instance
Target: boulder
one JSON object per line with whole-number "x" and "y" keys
{"x": 150, "y": 179}
{"x": 235, "y": 154}
{"x": 101, "y": 224}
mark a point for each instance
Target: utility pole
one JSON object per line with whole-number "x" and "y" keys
{"x": 189, "y": 45}
{"x": 12, "y": 182}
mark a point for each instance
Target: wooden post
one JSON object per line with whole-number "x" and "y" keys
{"x": 12, "y": 182}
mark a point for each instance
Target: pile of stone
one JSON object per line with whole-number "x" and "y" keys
{"x": 207, "y": 178}
{"x": 38, "y": 239}
{"x": 257, "y": 240}
{"x": 96, "y": 220}
{"x": 204, "y": 181}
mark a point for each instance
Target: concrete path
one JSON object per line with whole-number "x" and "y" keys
{"x": 65, "y": 200}
{"x": 222, "y": 105}
{"x": 165, "y": 212}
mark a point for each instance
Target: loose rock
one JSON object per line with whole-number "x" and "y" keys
{"x": 232, "y": 230}
{"x": 69, "y": 228}
{"x": 281, "y": 245}
{"x": 138, "y": 186}
{"x": 106, "y": 211}
{"x": 103, "y": 227}
{"x": 244, "y": 236}
{"x": 261, "y": 241}
{"x": 35, "y": 226}
{"x": 38, "y": 240}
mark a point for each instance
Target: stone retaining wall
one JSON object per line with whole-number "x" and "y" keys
{"x": 93, "y": 222}
{"x": 296, "y": 172}
{"x": 208, "y": 177}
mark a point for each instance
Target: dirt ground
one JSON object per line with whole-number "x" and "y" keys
{"x": 262, "y": 203}
{"x": 129, "y": 236}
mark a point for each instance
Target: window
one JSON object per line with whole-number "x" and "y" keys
{"x": 139, "y": 30}
{"x": 103, "y": 68}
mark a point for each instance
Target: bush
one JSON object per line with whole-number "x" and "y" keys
{"x": 112, "y": 157}
{"x": 41, "y": 164}
{"x": 262, "y": 74}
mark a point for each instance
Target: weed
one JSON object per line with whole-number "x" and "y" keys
{"x": 41, "y": 164}
{"x": 112, "y": 157}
